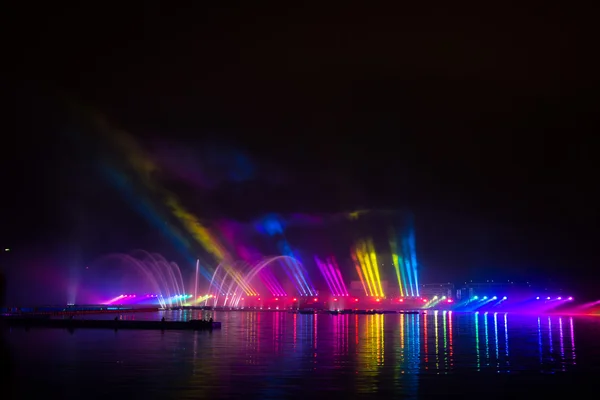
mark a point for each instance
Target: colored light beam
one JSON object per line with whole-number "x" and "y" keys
{"x": 413, "y": 259}
{"x": 115, "y": 299}
{"x": 201, "y": 299}
{"x": 334, "y": 277}
{"x": 365, "y": 255}
{"x": 326, "y": 276}
{"x": 398, "y": 266}
{"x": 151, "y": 213}
{"x": 359, "y": 271}
{"x": 265, "y": 279}
{"x": 336, "y": 270}
{"x": 375, "y": 267}
{"x": 404, "y": 258}
{"x": 271, "y": 282}
{"x": 307, "y": 288}
{"x": 303, "y": 276}
{"x": 362, "y": 270}
{"x": 276, "y": 283}
{"x": 408, "y": 268}
{"x": 252, "y": 256}
{"x": 140, "y": 162}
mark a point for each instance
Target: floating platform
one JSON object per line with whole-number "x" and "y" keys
{"x": 195, "y": 325}
{"x": 27, "y": 312}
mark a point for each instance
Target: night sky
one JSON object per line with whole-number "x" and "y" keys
{"x": 478, "y": 122}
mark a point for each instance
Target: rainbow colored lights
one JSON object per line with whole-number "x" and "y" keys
{"x": 166, "y": 287}
{"x": 133, "y": 170}
{"x": 237, "y": 275}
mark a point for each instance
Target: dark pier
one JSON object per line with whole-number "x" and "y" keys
{"x": 116, "y": 324}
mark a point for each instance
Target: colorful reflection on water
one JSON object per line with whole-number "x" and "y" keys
{"x": 371, "y": 354}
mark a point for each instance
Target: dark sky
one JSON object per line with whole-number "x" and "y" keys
{"x": 478, "y": 120}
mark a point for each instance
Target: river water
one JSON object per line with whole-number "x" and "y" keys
{"x": 264, "y": 355}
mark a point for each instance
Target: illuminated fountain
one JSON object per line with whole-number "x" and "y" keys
{"x": 227, "y": 281}
{"x": 161, "y": 279}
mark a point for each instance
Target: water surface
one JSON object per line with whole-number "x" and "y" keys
{"x": 264, "y": 355}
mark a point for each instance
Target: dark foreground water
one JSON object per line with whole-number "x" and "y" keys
{"x": 282, "y": 356}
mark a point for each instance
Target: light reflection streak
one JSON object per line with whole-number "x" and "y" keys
{"x": 496, "y": 340}
{"x": 572, "y": 339}
{"x": 402, "y": 343}
{"x": 341, "y": 334}
{"x": 478, "y": 355}
{"x": 451, "y": 344}
{"x": 336, "y": 333}
{"x": 307, "y": 334}
{"x": 400, "y": 363}
{"x": 257, "y": 330}
{"x": 371, "y": 354}
{"x": 562, "y": 343}
{"x": 409, "y": 354}
{"x": 356, "y": 331}
{"x": 408, "y": 332}
{"x": 347, "y": 333}
{"x": 276, "y": 332}
{"x": 252, "y": 342}
{"x": 541, "y": 350}
{"x": 437, "y": 340}
{"x": 380, "y": 339}
{"x": 409, "y": 363}
{"x": 506, "y": 339}
{"x": 402, "y": 334}
{"x": 426, "y": 342}
{"x": 417, "y": 357}
{"x": 487, "y": 339}
{"x": 549, "y": 360}
{"x": 295, "y": 329}
{"x": 444, "y": 325}
{"x": 315, "y": 339}
{"x": 550, "y": 338}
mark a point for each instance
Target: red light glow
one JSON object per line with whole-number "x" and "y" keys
{"x": 315, "y": 299}
{"x": 334, "y": 299}
{"x": 294, "y": 299}
{"x": 449, "y": 300}
{"x": 424, "y": 300}
{"x": 356, "y": 300}
{"x": 401, "y": 300}
{"x": 378, "y": 300}
{"x": 276, "y": 298}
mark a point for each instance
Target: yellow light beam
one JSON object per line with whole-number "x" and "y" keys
{"x": 358, "y": 270}
{"x": 367, "y": 271}
{"x": 367, "y": 261}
